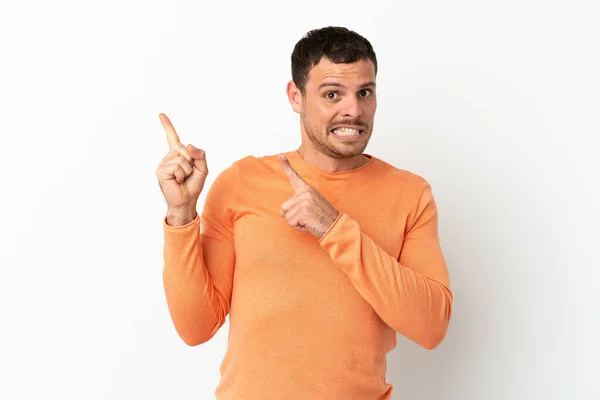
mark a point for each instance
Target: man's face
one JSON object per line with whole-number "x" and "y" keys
{"x": 338, "y": 108}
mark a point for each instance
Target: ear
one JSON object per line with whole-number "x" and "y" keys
{"x": 294, "y": 96}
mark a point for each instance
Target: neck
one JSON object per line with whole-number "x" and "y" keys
{"x": 330, "y": 164}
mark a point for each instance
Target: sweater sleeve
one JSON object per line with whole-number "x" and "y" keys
{"x": 199, "y": 261}
{"x": 411, "y": 294}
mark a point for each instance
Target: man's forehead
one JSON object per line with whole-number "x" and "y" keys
{"x": 356, "y": 73}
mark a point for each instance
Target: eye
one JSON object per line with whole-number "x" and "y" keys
{"x": 331, "y": 95}
{"x": 364, "y": 92}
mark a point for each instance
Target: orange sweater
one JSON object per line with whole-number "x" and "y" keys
{"x": 309, "y": 318}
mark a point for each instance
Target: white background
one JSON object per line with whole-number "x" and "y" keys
{"x": 495, "y": 103}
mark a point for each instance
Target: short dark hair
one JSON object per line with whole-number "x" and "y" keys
{"x": 338, "y": 44}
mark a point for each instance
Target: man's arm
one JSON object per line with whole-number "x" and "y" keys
{"x": 411, "y": 294}
{"x": 198, "y": 264}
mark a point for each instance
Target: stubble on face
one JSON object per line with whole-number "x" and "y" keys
{"x": 319, "y": 138}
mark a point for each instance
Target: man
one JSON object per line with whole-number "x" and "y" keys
{"x": 319, "y": 255}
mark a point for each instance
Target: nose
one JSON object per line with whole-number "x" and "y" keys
{"x": 352, "y": 108}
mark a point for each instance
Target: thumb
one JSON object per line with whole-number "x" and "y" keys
{"x": 199, "y": 157}
{"x": 195, "y": 152}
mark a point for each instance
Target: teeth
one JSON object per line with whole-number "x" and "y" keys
{"x": 345, "y": 132}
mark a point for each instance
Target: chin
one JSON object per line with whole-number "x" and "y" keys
{"x": 346, "y": 152}
{"x": 348, "y": 149}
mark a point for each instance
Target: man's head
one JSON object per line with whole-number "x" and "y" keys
{"x": 333, "y": 86}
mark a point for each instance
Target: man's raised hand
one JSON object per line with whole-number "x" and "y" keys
{"x": 182, "y": 172}
{"x": 307, "y": 210}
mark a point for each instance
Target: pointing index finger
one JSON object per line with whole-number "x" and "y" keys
{"x": 172, "y": 137}
{"x": 295, "y": 179}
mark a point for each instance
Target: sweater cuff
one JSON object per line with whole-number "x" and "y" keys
{"x": 190, "y": 225}
{"x": 332, "y": 233}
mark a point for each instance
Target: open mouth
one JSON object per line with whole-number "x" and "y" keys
{"x": 347, "y": 132}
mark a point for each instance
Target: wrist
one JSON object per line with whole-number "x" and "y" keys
{"x": 181, "y": 216}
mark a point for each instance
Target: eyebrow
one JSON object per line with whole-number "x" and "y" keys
{"x": 335, "y": 84}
